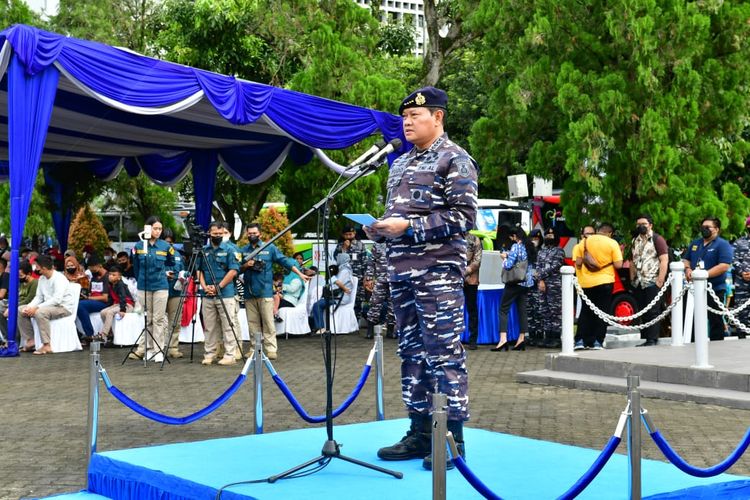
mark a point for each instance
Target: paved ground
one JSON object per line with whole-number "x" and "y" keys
{"x": 44, "y": 406}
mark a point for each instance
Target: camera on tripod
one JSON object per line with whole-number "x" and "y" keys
{"x": 196, "y": 235}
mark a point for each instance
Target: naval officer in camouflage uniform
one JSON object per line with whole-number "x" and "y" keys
{"x": 549, "y": 260}
{"x": 741, "y": 276}
{"x": 431, "y": 205}
{"x": 381, "y": 307}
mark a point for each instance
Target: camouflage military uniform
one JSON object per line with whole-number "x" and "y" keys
{"x": 381, "y": 307}
{"x": 548, "y": 263}
{"x": 358, "y": 257}
{"x": 436, "y": 189}
{"x": 740, "y": 264}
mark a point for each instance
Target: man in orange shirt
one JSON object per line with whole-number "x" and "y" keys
{"x": 596, "y": 277}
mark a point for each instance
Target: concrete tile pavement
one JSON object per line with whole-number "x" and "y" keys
{"x": 44, "y": 405}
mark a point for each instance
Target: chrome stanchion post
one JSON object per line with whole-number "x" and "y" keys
{"x": 379, "y": 405}
{"x": 258, "y": 382}
{"x": 700, "y": 315}
{"x": 634, "y": 437}
{"x": 93, "y": 413}
{"x": 678, "y": 275}
{"x": 568, "y": 309}
{"x": 439, "y": 454}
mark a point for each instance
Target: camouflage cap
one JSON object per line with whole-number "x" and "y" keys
{"x": 425, "y": 97}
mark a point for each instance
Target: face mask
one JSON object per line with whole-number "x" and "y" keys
{"x": 254, "y": 239}
{"x": 216, "y": 240}
{"x": 70, "y": 270}
{"x": 107, "y": 258}
{"x": 549, "y": 241}
{"x": 535, "y": 242}
{"x": 642, "y": 229}
{"x": 705, "y": 232}
{"x": 24, "y": 279}
{"x": 225, "y": 237}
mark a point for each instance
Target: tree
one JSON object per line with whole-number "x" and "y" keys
{"x": 87, "y": 229}
{"x": 635, "y": 107}
{"x": 271, "y": 223}
{"x": 397, "y": 37}
{"x": 444, "y": 21}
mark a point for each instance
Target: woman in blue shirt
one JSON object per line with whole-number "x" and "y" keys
{"x": 521, "y": 250}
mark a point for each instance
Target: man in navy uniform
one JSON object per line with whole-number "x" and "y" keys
{"x": 431, "y": 205}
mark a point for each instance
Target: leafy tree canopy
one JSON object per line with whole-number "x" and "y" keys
{"x": 634, "y": 106}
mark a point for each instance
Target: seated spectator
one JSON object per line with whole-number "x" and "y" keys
{"x": 126, "y": 267}
{"x": 3, "y": 244}
{"x": 54, "y": 299}
{"x": 75, "y": 274}
{"x": 4, "y": 279}
{"x": 300, "y": 260}
{"x": 119, "y": 302}
{"x": 97, "y": 297}
{"x": 26, "y": 291}
{"x": 109, "y": 256}
{"x": 278, "y": 280}
{"x": 24, "y": 253}
{"x": 339, "y": 292}
{"x": 292, "y": 290}
{"x": 88, "y": 252}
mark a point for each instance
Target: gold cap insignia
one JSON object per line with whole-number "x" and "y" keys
{"x": 420, "y": 99}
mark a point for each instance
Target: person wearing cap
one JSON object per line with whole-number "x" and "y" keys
{"x": 359, "y": 258}
{"x": 649, "y": 265}
{"x": 741, "y": 276}
{"x": 549, "y": 284}
{"x": 96, "y": 298}
{"x": 430, "y": 206}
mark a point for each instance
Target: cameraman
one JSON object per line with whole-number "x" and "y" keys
{"x": 258, "y": 277}
{"x": 218, "y": 319}
{"x": 151, "y": 268}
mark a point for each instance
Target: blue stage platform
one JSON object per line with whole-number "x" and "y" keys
{"x": 513, "y": 467}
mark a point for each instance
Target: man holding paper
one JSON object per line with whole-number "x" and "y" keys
{"x": 431, "y": 205}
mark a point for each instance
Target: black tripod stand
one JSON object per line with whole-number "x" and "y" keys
{"x": 331, "y": 449}
{"x": 198, "y": 257}
{"x": 146, "y": 332}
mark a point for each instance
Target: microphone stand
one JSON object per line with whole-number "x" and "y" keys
{"x": 331, "y": 449}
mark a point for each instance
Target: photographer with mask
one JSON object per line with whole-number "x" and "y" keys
{"x": 358, "y": 258}
{"x": 258, "y": 279}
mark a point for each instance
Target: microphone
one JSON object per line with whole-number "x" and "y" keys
{"x": 392, "y": 146}
{"x": 374, "y": 149}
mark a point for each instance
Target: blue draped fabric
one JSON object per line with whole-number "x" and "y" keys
{"x": 30, "y": 105}
{"x": 165, "y": 169}
{"x": 205, "y": 164}
{"x": 488, "y": 307}
{"x": 104, "y": 168}
{"x": 61, "y": 216}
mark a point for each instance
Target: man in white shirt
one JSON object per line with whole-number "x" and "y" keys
{"x": 54, "y": 299}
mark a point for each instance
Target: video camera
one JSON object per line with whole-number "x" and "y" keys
{"x": 258, "y": 266}
{"x": 196, "y": 235}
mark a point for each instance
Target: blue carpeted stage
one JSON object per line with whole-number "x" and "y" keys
{"x": 514, "y": 467}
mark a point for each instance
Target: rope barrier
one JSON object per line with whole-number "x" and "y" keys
{"x": 575, "y": 490}
{"x": 316, "y": 419}
{"x": 685, "y": 467}
{"x": 170, "y": 420}
{"x": 615, "y": 320}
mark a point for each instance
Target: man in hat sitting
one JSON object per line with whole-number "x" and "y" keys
{"x": 431, "y": 205}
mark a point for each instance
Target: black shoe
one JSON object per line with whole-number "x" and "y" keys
{"x": 391, "y": 332}
{"x": 648, "y": 343}
{"x": 427, "y": 461}
{"x": 520, "y": 347}
{"x": 503, "y": 347}
{"x": 413, "y": 445}
{"x": 472, "y": 347}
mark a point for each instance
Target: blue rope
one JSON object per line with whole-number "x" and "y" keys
{"x": 685, "y": 467}
{"x": 473, "y": 480}
{"x": 593, "y": 471}
{"x": 166, "y": 419}
{"x": 321, "y": 418}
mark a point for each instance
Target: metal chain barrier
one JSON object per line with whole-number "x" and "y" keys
{"x": 643, "y": 311}
{"x": 615, "y": 320}
{"x": 729, "y": 313}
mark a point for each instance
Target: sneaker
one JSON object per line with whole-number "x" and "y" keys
{"x": 579, "y": 345}
{"x": 227, "y": 361}
{"x": 597, "y": 346}
{"x": 207, "y": 360}
{"x": 277, "y": 318}
{"x": 272, "y": 355}
{"x": 157, "y": 358}
{"x": 413, "y": 445}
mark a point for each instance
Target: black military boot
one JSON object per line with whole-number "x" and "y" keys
{"x": 391, "y": 332}
{"x": 553, "y": 340}
{"x": 370, "y": 330}
{"x": 416, "y": 444}
{"x": 456, "y": 427}
{"x": 531, "y": 339}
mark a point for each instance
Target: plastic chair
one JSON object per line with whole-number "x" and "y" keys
{"x": 294, "y": 319}
{"x": 63, "y": 332}
{"x": 127, "y": 330}
{"x": 344, "y": 319}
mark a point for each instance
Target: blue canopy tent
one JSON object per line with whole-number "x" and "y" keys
{"x": 71, "y": 100}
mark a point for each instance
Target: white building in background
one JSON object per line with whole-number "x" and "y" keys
{"x": 45, "y": 8}
{"x": 400, "y": 10}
